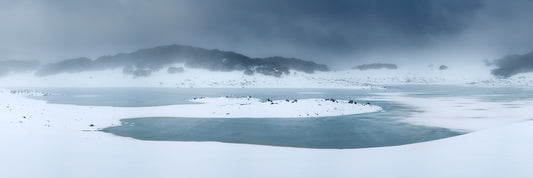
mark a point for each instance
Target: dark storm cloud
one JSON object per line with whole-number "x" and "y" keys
{"x": 321, "y": 30}
{"x": 80, "y": 28}
{"x": 341, "y": 24}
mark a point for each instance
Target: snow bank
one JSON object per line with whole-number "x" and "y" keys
{"x": 30, "y": 93}
{"x": 253, "y": 107}
{"x": 18, "y": 111}
{"x": 461, "y": 113}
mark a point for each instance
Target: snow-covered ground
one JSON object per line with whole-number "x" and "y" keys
{"x": 28, "y": 92}
{"x": 518, "y": 80}
{"x": 191, "y": 78}
{"x": 18, "y": 111}
{"x": 462, "y": 113}
{"x": 53, "y": 140}
{"x": 200, "y": 78}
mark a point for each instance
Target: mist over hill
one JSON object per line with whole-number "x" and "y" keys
{"x": 513, "y": 64}
{"x": 376, "y": 66}
{"x": 145, "y": 61}
{"x": 14, "y": 66}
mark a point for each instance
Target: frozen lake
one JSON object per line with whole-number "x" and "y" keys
{"x": 354, "y": 131}
{"x": 351, "y": 131}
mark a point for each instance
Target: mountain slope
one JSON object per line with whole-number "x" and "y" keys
{"x": 145, "y": 61}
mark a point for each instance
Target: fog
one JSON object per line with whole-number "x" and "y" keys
{"x": 339, "y": 33}
{"x": 13, "y": 66}
{"x": 143, "y": 62}
{"x": 513, "y": 64}
{"x": 374, "y": 66}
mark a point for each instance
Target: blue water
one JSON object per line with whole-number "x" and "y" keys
{"x": 138, "y": 97}
{"x": 326, "y": 132}
{"x": 353, "y": 131}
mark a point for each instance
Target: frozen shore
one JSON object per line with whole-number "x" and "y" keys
{"x": 18, "y": 111}
{"x": 52, "y": 140}
{"x": 461, "y": 113}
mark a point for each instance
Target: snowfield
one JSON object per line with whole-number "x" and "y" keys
{"x": 347, "y": 79}
{"x": 53, "y": 140}
{"x": 191, "y": 78}
{"x": 518, "y": 80}
{"x": 462, "y": 114}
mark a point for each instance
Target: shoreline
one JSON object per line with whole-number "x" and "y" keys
{"x": 65, "y": 150}
{"x": 18, "y": 108}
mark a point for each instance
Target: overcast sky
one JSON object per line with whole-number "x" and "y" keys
{"x": 335, "y": 32}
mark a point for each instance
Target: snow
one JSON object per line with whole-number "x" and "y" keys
{"x": 190, "y": 78}
{"x": 349, "y": 79}
{"x": 55, "y": 141}
{"x": 41, "y": 139}
{"x": 415, "y": 74}
{"x": 461, "y": 113}
{"x": 456, "y": 74}
{"x": 29, "y": 93}
{"x": 518, "y": 80}
{"x": 253, "y": 107}
{"x": 18, "y": 111}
